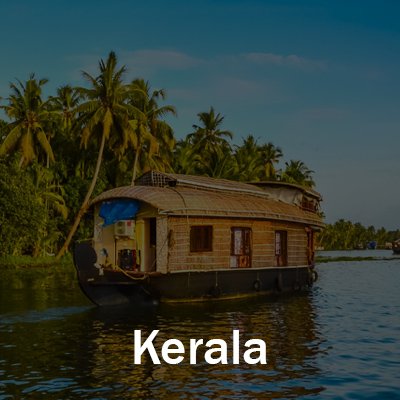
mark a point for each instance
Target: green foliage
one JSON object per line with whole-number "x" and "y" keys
{"x": 101, "y": 136}
{"x": 21, "y": 262}
{"x": 153, "y": 139}
{"x": 22, "y": 215}
{"x": 345, "y": 235}
{"x": 255, "y": 162}
{"x": 4, "y": 129}
{"x": 297, "y": 172}
{"x": 207, "y": 152}
{"x": 25, "y": 272}
{"x": 31, "y": 119}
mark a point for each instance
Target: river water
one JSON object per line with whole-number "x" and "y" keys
{"x": 341, "y": 340}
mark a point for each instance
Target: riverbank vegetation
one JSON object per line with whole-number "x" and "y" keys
{"x": 57, "y": 152}
{"x": 346, "y": 235}
{"x": 42, "y": 262}
{"x": 27, "y": 272}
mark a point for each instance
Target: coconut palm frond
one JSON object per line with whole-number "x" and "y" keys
{"x": 27, "y": 147}
{"x": 45, "y": 144}
{"x": 11, "y": 140}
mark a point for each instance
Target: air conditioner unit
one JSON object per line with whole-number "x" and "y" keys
{"x": 124, "y": 228}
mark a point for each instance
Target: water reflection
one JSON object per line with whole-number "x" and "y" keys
{"x": 88, "y": 352}
{"x": 341, "y": 340}
{"x": 286, "y": 325}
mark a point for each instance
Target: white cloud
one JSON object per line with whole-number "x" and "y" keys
{"x": 147, "y": 61}
{"x": 255, "y": 90}
{"x": 140, "y": 62}
{"x": 324, "y": 113}
{"x": 291, "y": 60}
{"x": 144, "y": 60}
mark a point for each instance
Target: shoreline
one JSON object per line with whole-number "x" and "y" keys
{"x": 46, "y": 273}
{"x": 11, "y": 263}
{"x": 41, "y": 273}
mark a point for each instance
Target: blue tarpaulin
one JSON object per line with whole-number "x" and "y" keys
{"x": 118, "y": 210}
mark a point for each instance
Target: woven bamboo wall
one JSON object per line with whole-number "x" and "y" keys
{"x": 263, "y": 243}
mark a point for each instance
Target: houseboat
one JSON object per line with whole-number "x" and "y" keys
{"x": 173, "y": 237}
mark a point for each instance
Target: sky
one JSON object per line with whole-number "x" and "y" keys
{"x": 320, "y": 79}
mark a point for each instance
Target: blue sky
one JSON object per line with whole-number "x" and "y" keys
{"x": 320, "y": 79}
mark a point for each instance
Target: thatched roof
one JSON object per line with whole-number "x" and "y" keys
{"x": 213, "y": 198}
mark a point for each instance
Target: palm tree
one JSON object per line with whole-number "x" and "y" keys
{"x": 270, "y": 156}
{"x": 209, "y": 144}
{"x": 66, "y": 103}
{"x": 69, "y": 127}
{"x": 208, "y": 135}
{"x": 50, "y": 195}
{"x": 297, "y": 172}
{"x": 185, "y": 158}
{"x": 104, "y": 118}
{"x": 151, "y": 132}
{"x": 30, "y": 117}
{"x": 248, "y": 160}
{"x": 218, "y": 164}
{"x": 4, "y": 128}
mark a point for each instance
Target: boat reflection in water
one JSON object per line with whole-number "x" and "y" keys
{"x": 286, "y": 325}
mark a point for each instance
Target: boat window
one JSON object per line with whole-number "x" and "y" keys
{"x": 240, "y": 247}
{"x": 201, "y": 238}
{"x": 309, "y": 204}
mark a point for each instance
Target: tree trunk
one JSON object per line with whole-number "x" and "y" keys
{"x": 85, "y": 203}
{"x": 21, "y": 162}
{"x": 135, "y": 163}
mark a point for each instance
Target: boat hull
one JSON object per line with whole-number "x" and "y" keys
{"x": 112, "y": 287}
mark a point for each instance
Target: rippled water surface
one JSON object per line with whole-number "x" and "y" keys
{"x": 340, "y": 340}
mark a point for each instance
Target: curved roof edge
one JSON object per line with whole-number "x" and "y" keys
{"x": 189, "y": 201}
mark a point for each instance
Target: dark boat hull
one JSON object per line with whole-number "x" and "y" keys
{"x": 110, "y": 287}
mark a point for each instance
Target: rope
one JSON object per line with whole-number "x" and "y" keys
{"x": 130, "y": 276}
